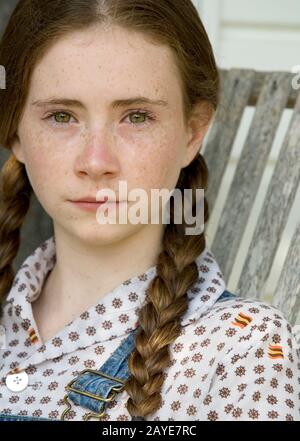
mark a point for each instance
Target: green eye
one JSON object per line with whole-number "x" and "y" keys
{"x": 137, "y": 115}
{"x": 61, "y": 117}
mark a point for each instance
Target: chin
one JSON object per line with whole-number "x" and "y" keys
{"x": 102, "y": 235}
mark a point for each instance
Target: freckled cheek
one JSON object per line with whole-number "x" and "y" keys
{"x": 159, "y": 164}
{"x": 44, "y": 166}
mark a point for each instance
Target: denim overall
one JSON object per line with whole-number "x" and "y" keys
{"x": 92, "y": 389}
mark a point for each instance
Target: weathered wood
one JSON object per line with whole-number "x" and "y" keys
{"x": 274, "y": 215}
{"x": 250, "y": 169}
{"x": 287, "y": 293}
{"x": 236, "y": 86}
{"x": 257, "y": 86}
{"x": 259, "y": 80}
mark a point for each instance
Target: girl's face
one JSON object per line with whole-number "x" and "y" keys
{"x": 78, "y": 134}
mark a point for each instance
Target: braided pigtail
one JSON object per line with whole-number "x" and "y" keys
{"x": 14, "y": 204}
{"x": 167, "y": 301}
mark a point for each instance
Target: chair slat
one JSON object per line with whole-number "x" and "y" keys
{"x": 259, "y": 79}
{"x": 236, "y": 89}
{"x": 275, "y": 212}
{"x": 250, "y": 169}
{"x": 287, "y": 293}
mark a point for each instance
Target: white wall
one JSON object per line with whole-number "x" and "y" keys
{"x": 261, "y": 34}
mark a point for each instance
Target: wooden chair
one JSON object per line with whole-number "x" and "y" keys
{"x": 270, "y": 93}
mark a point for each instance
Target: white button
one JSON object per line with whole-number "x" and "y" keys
{"x": 17, "y": 382}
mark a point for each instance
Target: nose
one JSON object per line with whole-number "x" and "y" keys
{"x": 97, "y": 157}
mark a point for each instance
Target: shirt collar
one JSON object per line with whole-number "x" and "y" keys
{"x": 117, "y": 312}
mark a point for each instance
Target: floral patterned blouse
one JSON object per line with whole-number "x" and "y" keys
{"x": 234, "y": 360}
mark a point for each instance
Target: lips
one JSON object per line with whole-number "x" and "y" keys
{"x": 93, "y": 200}
{"x": 88, "y": 199}
{"x": 95, "y": 205}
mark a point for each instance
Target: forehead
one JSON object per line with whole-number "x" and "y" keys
{"x": 107, "y": 62}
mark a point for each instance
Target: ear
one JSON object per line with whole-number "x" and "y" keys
{"x": 198, "y": 126}
{"x": 17, "y": 150}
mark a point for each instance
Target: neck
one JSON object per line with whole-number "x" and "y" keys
{"x": 85, "y": 271}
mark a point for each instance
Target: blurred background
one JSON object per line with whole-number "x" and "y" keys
{"x": 244, "y": 34}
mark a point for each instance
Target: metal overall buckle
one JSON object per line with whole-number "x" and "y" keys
{"x": 70, "y": 387}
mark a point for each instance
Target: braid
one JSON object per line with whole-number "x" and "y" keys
{"x": 15, "y": 198}
{"x": 167, "y": 301}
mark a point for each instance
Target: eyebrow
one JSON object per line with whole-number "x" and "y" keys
{"x": 114, "y": 105}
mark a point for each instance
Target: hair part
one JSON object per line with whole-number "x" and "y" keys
{"x": 33, "y": 27}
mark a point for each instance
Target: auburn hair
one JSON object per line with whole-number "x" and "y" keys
{"x": 35, "y": 25}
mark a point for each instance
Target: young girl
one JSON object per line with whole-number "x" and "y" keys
{"x": 133, "y": 320}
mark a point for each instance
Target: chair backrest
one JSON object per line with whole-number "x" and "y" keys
{"x": 271, "y": 93}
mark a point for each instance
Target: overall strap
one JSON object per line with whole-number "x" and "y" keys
{"x": 93, "y": 389}
{"x": 226, "y": 295}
